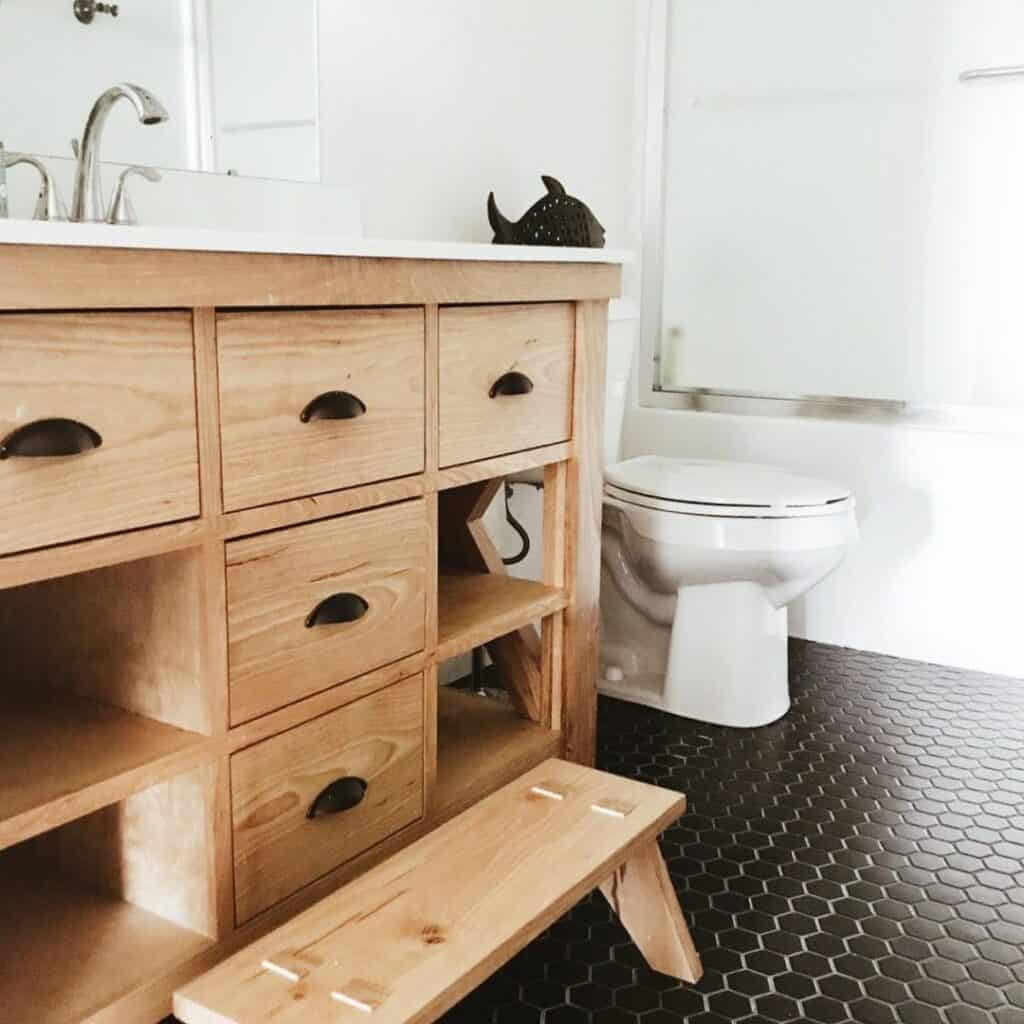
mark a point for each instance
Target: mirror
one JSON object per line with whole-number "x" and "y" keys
{"x": 238, "y": 79}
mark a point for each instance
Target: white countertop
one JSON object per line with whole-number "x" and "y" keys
{"x": 27, "y": 232}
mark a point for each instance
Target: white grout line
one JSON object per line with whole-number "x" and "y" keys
{"x": 282, "y": 971}
{"x": 549, "y": 793}
{"x": 354, "y": 1003}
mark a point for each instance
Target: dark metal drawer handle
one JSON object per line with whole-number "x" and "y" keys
{"x": 50, "y": 437}
{"x": 333, "y": 405}
{"x": 340, "y": 795}
{"x": 337, "y": 608}
{"x": 511, "y": 383}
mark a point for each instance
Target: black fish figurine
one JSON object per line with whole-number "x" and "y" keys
{"x": 555, "y": 219}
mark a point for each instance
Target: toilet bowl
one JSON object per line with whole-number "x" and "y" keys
{"x": 699, "y": 562}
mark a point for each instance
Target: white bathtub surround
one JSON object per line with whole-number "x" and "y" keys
{"x": 933, "y": 576}
{"x": 700, "y": 560}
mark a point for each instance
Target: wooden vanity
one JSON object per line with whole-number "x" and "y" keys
{"x": 241, "y": 529}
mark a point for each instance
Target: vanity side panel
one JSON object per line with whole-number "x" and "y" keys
{"x": 581, "y": 650}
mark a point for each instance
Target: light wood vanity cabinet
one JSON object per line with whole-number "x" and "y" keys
{"x": 223, "y": 620}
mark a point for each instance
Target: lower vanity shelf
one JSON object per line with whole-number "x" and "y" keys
{"x": 93, "y": 911}
{"x": 63, "y": 756}
{"x": 70, "y": 949}
{"x": 482, "y": 743}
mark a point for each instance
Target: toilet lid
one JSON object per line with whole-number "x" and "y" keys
{"x": 737, "y": 485}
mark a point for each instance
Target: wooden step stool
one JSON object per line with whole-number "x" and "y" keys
{"x": 407, "y": 940}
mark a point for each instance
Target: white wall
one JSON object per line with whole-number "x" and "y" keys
{"x": 426, "y": 107}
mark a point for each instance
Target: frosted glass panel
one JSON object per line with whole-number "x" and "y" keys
{"x": 843, "y": 217}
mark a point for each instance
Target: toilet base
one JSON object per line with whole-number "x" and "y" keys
{"x": 728, "y": 659}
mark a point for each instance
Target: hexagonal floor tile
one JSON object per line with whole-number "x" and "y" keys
{"x": 857, "y": 861}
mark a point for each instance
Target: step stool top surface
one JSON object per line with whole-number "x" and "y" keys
{"x": 405, "y": 941}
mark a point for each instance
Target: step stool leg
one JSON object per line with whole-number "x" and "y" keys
{"x": 641, "y": 893}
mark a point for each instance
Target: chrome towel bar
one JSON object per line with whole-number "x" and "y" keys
{"x": 1008, "y": 71}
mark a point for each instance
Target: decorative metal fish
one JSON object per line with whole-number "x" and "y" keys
{"x": 555, "y": 219}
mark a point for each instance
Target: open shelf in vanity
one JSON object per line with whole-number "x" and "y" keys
{"x": 106, "y": 789}
{"x": 483, "y": 743}
{"x": 73, "y": 755}
{"x": 101, "y": 694}
{"x": 98, "y": 907}
{"x": 475, "y": 608}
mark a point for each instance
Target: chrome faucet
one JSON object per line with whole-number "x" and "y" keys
{"x": 88, "y": 204}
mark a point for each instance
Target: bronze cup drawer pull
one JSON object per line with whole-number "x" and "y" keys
{"x": 333, "y": 405}
{"x": 511, "y": 383}
{"x": 340, "y": 795}
{"x": 49, "y": 437}
{"x": 337, "y": 608}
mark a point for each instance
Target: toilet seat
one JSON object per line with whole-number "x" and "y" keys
{"x": 704, "y": 487}
{"x": 718, "y": 531}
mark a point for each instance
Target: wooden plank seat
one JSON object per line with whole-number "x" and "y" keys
{"x": 405, "y": 941}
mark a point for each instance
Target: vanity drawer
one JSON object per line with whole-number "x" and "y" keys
{"x": 129, "y": 459}
{"x": 318, "y": 400}
{"x": 506, "y": 379}
{"x": 314, "y": 605}
{"x": 278, "y": 848}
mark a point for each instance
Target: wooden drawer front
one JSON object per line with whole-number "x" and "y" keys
{"x": 127, "y": 376}
{"x": 480, "y": 344}
{"x": 273, "y": 365}
{"x": 277, "y": 848}
{"x": 276, "y": 580}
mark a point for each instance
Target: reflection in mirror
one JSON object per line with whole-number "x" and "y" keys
{"x": 238, "y": 79}
{"x": 264, "y": 94}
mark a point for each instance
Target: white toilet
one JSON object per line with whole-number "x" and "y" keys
{"x": 699, "y": 561}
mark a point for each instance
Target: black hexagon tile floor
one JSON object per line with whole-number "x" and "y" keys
{"x": 860, "y": 861}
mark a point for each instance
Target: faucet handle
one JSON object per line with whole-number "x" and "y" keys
{"x": 49, "y": 205}
{"x": 122, "y": 210}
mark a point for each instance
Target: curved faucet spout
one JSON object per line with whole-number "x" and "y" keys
{"x": 87, "y": 204}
